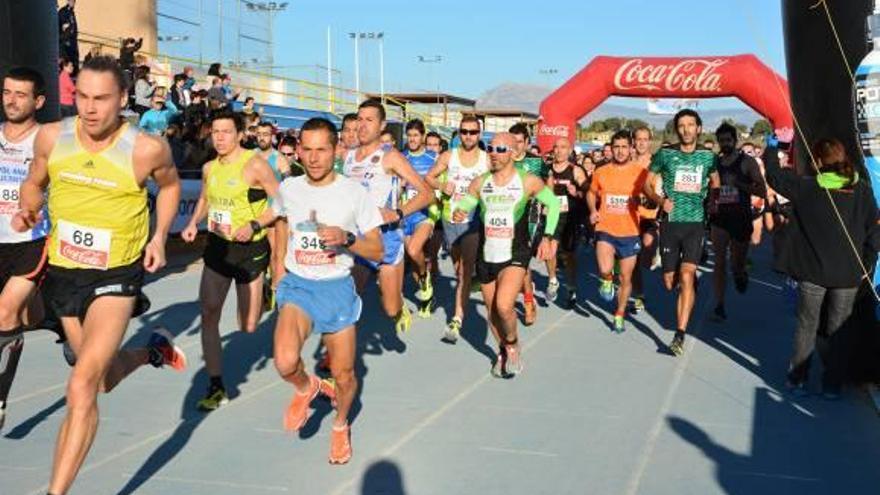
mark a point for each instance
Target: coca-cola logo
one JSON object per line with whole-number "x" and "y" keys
{"x": 85, "y": 257}
{"x": 685, "y": 75}
{"x": 555, "y": 131}
{"x": 314, "y": 257}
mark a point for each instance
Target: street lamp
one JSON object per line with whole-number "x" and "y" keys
{"x": 270, "y": 9}
{"x": 380, "y": 37}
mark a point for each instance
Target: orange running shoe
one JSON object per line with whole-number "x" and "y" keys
{"x": 298, "y": 411}
{"x": 340, "y": 445}
{"x": 531, "y": 313}
{"x": 163, "y": 352}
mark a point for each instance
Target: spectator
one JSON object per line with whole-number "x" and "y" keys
{"x": 143, "y": 89}
{"x": 230, "y": 94}
{"x": 156, "y": 119}
{"x": 248, "y": 106}
{"x": 68, "y": 34}
{"x": 179, "y": 95}
{"x": 190, "y": 80}
{"x": 127, "y": 49}
{"x": 818, "y": 255}
{"x": 197, "y": 111}
{"x": 216, "y": 95}
{"x": 95, "y": 51}
{"x": 287, "y": 147}
{"x": 200, "y": 149}
{"x": 66, "y": 88}
{"x": 215, "y": 69}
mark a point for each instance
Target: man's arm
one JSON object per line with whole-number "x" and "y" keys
{"x": 544, "y": 195}
{"x": 154, "y": 154}
{"x": 261, "y": 176}
{"x": 282, "y": 232}
{"x": 398, "y": 164}
{"x": 201, "y": 210}
{"x": 30, "y": 200}
{"x": 755, "y": 186}
{"x": 440, "y": 166}
{"x": 650, "y": 191}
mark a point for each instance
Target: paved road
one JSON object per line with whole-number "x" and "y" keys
{"x": 593, "y": 412}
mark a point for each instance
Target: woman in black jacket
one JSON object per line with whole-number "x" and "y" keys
{"x": 822, "y": 253}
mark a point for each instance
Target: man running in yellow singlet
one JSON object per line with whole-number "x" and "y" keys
{"x": 236, "y": 187}
{"x": 95, "y": 169}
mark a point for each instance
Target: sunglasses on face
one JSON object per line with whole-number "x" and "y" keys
{"x": 288, "y": 155}
{"x": 497, "y": 149}
{"x": 469, "y": 132}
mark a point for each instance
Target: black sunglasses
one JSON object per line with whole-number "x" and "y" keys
{"x": 469, "y": 132}
{"x": 497, "y": 149}
{"x": 288, "y": 155}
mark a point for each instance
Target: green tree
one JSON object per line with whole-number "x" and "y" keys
{"x": 761, "y": 127}
{"x": 636, "y": 123}
{"x": 597, "y": 126}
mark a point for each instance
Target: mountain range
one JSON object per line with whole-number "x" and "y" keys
{"x": 528, "y": 97}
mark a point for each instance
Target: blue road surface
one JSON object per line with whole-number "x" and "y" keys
{"x": 593, "y": 412}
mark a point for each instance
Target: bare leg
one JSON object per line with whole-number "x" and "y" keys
{"x": 342, "y": 346}
{"x": 687, "y": 294}
{"x": 250, "y": 304}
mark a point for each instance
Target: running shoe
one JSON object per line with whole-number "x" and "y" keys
{"x": 720, "y": 314}
{"x": 453, "y": 330}
{"x": 676, "y": 347}
{"x": 298, "y": 411}
{"x": 512, "y": 363}
{"x": 531, "y": 313}
{"x": 163, "y": 351}
{"x": 638, "y": 304}
{"x": 327, "y": 388}
{"x": 340, "y": 445}
{"x": 499, "y": 364}
{"x": 403, "y": 320}
{"x": 426, "y": 290}
{"x": 552, "y": 289}
{"x": 425, "y": 309}
{"x": 572, "y": 298}
{"x": 215, "y": 399}
{"x": 741, "y": 282}
{"x": 606, "y": 290}
{"x": 619, "y": 325}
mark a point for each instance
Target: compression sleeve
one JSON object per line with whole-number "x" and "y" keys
{"x": 548, "y": 199}
{"x": 468, "y": 203}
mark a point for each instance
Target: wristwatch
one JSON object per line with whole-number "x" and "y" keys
{"x": 350, "y": 239}
{"x": 399, "y": 214}
{"x": 255, "y": 226}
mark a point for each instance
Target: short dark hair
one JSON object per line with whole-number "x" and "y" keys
{"x": 180, "y": 77}
{"x": 228, "y": 114}
{"x": 444, "y": 145}
{"x": 469, "y": 117}
{"x": 416, "y": 124}
{"x": 265, "y": 123}
{"x": 249, "y": 98}
{"x": 374, "y": 103}
{"x": 726, "y": 128}
{"x": 521, "y": 129}
{"x": 321, "y": 124}
{"x": 349, "y": 117}
{"x": 433, "y": 134}
{"x": 27, "y": 74}
{"x": 622, "y": 134}
{"x": 106, "y": 63}
{"x": 687, "y": 112}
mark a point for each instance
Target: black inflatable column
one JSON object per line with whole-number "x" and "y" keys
{"x": 29, "y": 36}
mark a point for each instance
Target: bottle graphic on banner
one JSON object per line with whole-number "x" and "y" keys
{"x": 867, "y": 103}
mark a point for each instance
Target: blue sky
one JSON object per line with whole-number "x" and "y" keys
{"x": 486, "y": 43}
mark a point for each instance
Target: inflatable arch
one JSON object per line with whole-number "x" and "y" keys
{"x": 742, "y": 76}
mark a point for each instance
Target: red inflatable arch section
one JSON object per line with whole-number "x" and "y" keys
{"x": 742, "y": 76}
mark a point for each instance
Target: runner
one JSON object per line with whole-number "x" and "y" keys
{"x": 648, "y": 224}
{"x": 281, "y": 168}
{"x": 741, "y": 179}
{"x": 567, "y": 182}
{"x": 287, "y": 148}
{"x": 380, "y": 170}
{"x": 236, "y": 187}
{"x": 535, "y": 166}
{"x": 419, "y": 226}
{"x": 94, "y": 168}
{"x": 317, "y": 240}
{"x": 22, "y": 254}
{"x": 453, "y": 174}
{"x": 433, "y": 142}
{"x": 348, "y": 140}
{"x": 503, "y": 196}
{"x": 387, "y": 139}
{"x": 686, "y": 174}
{"x": 616, "y": 188}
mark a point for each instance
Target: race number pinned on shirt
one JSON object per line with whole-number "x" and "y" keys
{"x": 8, "y": 198}
{"x": 220, "y": 223}
{"x": 729, "y": 195}
{"x": 85, "y": 246}
{"x": 498, "y": 247}
{"x": 688, "y": 181}
{"x": 617, "y": 204}
{"x": 563, "y": 203}
{"x": 309, "y": 250}
{"x": 459, "y": 191}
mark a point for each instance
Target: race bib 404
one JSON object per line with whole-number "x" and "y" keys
{"x": 83, "y": 245}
